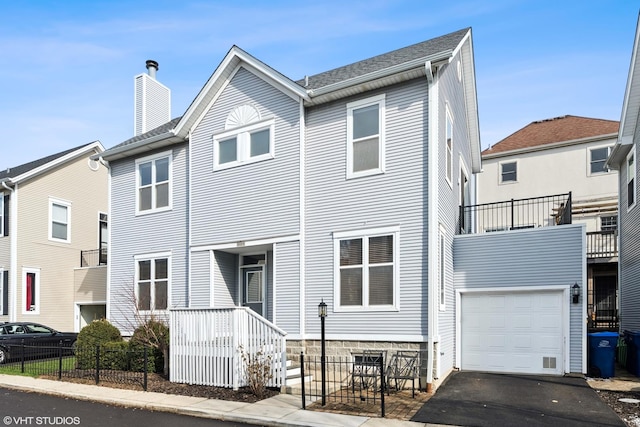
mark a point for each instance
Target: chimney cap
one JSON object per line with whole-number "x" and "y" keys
{"x": 152, "y": 63}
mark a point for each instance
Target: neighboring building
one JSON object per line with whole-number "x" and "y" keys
{"x": 343, "y": 187}
{"x": 53, "y": 238}
{"x": 624, "y": 158}
{"x": 563, "y": 155}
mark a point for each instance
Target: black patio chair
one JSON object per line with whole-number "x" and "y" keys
{"x": 366, "y": 371}
{"x": 404, "y": 366}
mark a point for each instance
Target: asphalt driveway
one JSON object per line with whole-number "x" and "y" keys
{"x": 483, "y": 399}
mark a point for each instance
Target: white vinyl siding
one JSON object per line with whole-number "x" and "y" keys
{"x": 365, "y": 137}
{"x": 59, "y": 221}
{"x": 154, "y": 183}
{"x": 442, "y": 272}
{"x": 631, "y": 179}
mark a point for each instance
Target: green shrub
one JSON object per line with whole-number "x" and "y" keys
{"x": 136, "y": 358}
{"x": 97, "y": 333}
{"x": 153, "y": 334}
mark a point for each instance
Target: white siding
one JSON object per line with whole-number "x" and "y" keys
{"x": 144, "y": 234}
{"x": 225, "y": 279}
{"x": 254, "y": 200}
{"x": 395, "y": 198}
{"x": 550, "y": 256}
{"x": 287, "y": 291}
{"x": 200, "y": 279}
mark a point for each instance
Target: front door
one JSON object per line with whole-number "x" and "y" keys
{"x": 253, "y": 288}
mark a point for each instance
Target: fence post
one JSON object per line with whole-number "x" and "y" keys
{"x": 144, "y": 384}
{"x": 60, "y": 360}
{"x": 22, "y": 357}
{"x": 512, "y": 215}
{"x": 382, "y": 385}
{"x": 304, "y": 397}
{"x": 97, "y": 363}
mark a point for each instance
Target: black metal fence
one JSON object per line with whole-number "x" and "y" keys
{"x": 116, "y": 364}
{"x": 358, "y": 379}
{"x": 515, "y": 214}
{"x": 93, "y": 257}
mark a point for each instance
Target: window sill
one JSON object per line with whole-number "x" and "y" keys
{"x": 371, "y": 172}
{"x": 369, "y": 309}
{"x": 152, "y": 211}
{"x": 230, "y": 165}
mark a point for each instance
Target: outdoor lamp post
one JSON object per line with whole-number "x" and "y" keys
{"x": 575, "y": 291}
{"x": 322, "y": 313}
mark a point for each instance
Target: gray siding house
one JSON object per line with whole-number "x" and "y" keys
{"x": 624, "y": 158}
{"x": 270, "y": 196}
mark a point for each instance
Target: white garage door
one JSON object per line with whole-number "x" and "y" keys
{"x": 519, "y": 332}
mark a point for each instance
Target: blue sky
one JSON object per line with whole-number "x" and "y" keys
{"x": 67, "y": 67}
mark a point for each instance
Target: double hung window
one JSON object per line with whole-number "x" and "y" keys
{"x": 152, "y": 282}
{"x": 449, "y": 147}
{"x": 597, "y": 159}
{"x": 366, "y": 270}
{"x": 59, "y": 221}
{"x": 365, "y": 137}
{"x": 508, "y": 172}
{"x": 631, "y": 179}
{"x": 154, "y": 183}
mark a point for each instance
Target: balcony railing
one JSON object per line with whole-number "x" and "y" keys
{"x": 515, "y": 214}
{"x": 93, "y": 257}
{"x": 602, "y": 244}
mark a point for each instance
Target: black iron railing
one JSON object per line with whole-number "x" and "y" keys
{"x": 93, "y": 257}
{"x": 515, "y": 214}
{"x": 114, "y": 364}
{"x": 602, "y": 244}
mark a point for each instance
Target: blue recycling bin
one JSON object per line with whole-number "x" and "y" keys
{"x": 633, "y": 352}
{"x": 602, "y": 354}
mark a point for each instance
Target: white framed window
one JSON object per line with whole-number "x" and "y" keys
{"x": 366, "y": 137}
{"x": 154, "y": 183}
{"x": 366, "y": 270}
{"x": 609, "y": 223}
{"x": 597, "y": 159}
{"x": 30, "y": 291}
{"x": 4, "y": 292}
{"x": 59, "y": 220}
{"x": 508, "y": 172}
{"x": 449, "y": 147}
{"x": 153, "y": 283}
{"x": 442, "y": 272}
{"x": 2, "y": 215}
{"x": 631, "y": 179}
{"x": 247, "y": 144}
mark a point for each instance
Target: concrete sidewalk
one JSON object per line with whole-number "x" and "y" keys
{"x": 281, "y": 410}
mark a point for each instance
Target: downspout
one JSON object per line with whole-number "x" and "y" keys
{"x": 13, "y": 251}
{"x": 109, "y": 240}
{"x": 303, "y": 221}
{"x": 432, "y": 222}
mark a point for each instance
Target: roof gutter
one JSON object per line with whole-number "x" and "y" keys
{"x": 144, "y": 145}
{"x": 385, "y": 72}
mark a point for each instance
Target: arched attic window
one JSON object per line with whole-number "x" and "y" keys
{"x": 247, "y": 138}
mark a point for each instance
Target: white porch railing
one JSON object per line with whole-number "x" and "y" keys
{"x": 206, "y": 346}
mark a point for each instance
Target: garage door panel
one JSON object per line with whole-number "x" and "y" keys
{"x": 512, "y": 332}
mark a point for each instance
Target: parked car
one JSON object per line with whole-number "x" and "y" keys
{"x": 36, "y": 340}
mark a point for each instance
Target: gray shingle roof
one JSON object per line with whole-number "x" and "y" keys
{"x": 13, "y": 172}
{"x": 419, "y": 50}
{"x": 153, "y": 132}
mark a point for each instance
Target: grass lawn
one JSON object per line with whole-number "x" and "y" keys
{"x": 35, "y": 368}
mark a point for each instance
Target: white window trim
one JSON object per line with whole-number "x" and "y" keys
{"x": 632, "y": 153}
{"x": 500, "y": 181}
{"x": 243, "y": 144}
{"x": 380, "y": 101}
{"x": 153, "y": 158}
{"x": 53, "y": 201}
{"x": 151, "y": 257}
{"x": 26, "y": 270}
{"x": 1, "y": 214}
{"x": 604, "y": 171}
{"x": 2, "y": 301}
{"x": 448, "y": 151}
{"x": 442, "y": 270}
{"x": 366, "y": 234}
